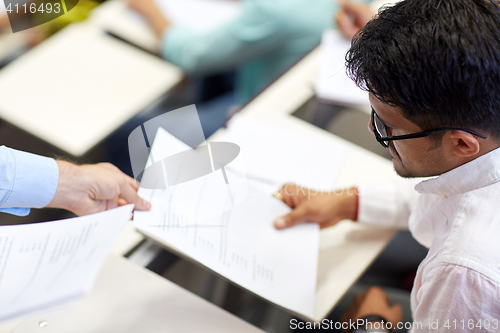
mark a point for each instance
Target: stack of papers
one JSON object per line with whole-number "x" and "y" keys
{"x": 49, "y": 265}
{"x": 229, "y": 227}
{"x": 333, "y": 85}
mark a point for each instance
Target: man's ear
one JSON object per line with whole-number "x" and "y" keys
{"x": 464, "y": 144}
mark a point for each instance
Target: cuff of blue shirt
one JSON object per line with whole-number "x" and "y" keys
{"x": 35, "y": 182}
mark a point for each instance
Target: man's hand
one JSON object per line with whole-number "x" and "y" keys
{"x": 351, "y": 17}
{"x": 149, "y": 10}
{"x": 324, "y": 208}
{"x": 373, "y": 302}
{"x": 88, "y": 189}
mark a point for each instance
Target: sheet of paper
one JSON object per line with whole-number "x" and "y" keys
{"x": 274, "y": 156}
{"x": 229, "y": 228}
{"x": 332, "y": 83}
{"x": 243, "y": 246}
{"x": 46, "y": 265}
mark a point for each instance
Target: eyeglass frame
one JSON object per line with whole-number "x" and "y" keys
{"x": 381, "y": 139}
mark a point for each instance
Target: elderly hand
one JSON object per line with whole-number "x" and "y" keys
{"x": 88, "y": 189}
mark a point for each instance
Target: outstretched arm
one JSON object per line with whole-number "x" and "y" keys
{"x": 150, "y": 12}
{"x": 33, "y": 181}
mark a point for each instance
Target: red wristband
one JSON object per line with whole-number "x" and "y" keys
{"x": 356, "y": 194}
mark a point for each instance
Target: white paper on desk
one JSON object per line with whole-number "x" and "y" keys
{"x": 274, "y": 156}
{"x": 229, "y": 228}
{"x": 243, "y": 246}
{"x": 332, "y": 83}
{"x": 46, "y": 265}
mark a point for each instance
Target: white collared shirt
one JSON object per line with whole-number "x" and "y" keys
{"x": 457, "y": 216}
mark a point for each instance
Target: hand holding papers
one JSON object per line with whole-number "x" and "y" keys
{"x": 229, "y": 227}
{"x": 50, "y": 264}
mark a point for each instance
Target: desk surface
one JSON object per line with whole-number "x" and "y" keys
{"x": 80, "y": 85}
{"x": 128, "y": 299}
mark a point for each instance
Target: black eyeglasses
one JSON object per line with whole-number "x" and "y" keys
{"x": 380, "y": 132}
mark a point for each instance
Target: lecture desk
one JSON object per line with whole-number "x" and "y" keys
{"x": 79, "y": 86}
{"x": 127, "y": 298}
{"x": 347, "y": 249}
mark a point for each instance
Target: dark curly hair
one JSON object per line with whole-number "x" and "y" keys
{"x": 437, "y": 60}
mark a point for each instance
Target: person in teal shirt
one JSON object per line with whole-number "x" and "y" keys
{"x": 265, "y": 39}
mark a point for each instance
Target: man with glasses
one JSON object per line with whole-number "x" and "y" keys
{"x": 432, "y": 70}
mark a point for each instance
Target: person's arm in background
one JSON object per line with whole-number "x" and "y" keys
{"x": 32, "y": 181}
{"x": 4, "y": 21}
{"x": 152, "y": 14}
{"x": 240, "y": 40}
{"x": 353, "y": 16}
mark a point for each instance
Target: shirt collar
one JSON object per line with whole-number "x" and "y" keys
{"x": 480, "y": 172}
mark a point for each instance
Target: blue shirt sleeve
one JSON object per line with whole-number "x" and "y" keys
{"x": 26, "y": 181}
